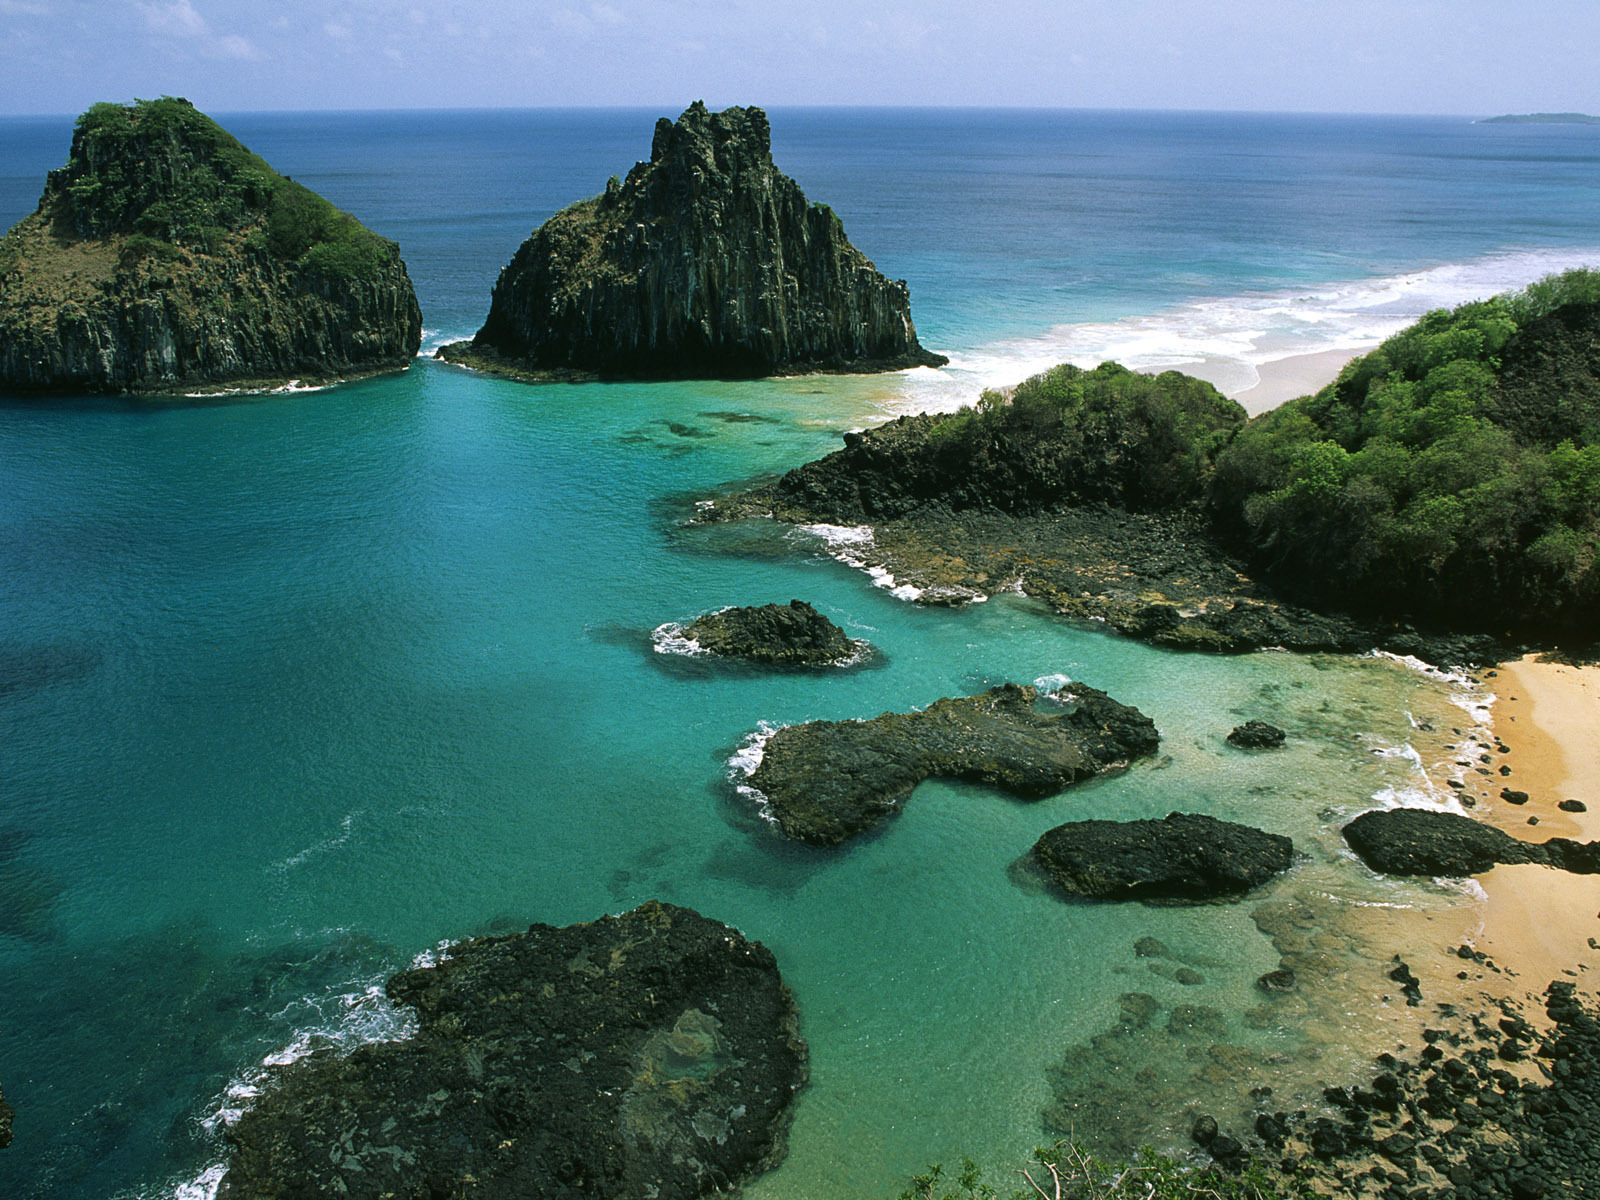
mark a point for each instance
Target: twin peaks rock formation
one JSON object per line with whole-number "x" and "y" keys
{"x": 165, "y": 256}
{"x": 706, "y": 262}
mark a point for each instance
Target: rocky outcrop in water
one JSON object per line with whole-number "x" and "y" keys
{"x": 165, "y": 257}
{"x": 650, "y": 1054}
{"x": 6, "y": 1115}
{"x": 826, "y": 781}
{"x": 1256, "y": 735}
{"x": 706, "y": 262}
{"x": 1420, "y": 841}
{"x": 795, "y": 634}
{"x": 1186, "y": 856}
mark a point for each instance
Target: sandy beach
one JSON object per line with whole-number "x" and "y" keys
{"x": 1286, "y": 378}
{"x": 1540, "y": 923}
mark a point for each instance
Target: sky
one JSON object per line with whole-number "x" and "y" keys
{"x": 1466, "y": 57}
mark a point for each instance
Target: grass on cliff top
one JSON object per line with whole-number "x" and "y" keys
{"x": 169, "y": 177}
{"x": 1066, "y": 1171}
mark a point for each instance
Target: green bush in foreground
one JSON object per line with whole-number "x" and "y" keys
{"x": 1454, "y": 471}
{"x": 1066, "y": 1171}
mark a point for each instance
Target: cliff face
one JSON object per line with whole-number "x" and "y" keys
{"x": 165, "y": 256}
{"x": 707, "y": 261}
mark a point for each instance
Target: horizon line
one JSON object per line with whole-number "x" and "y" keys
{"x": 803, "y": 107}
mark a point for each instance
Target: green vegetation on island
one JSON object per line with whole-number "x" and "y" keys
{"x": 170, "y": 178}
{"x": 164, "y": 256}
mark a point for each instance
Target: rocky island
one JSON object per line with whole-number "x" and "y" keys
{"x": 165, "y": 257}
{"x": 650, "y": 1054}
{"x": 1446, "y": 483}
{"x": 826, "y": 781}
{"x": 774, "y": 635}
{"x": 705, "y": 262}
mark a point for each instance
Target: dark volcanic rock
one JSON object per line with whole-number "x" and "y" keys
{"x": 1419, "y": 841}
{"x": 6, "y": 1114}
{"x": 706, "y": 262}
{"x": 651, "y": 1054}
{"x": 1186, "y": 856}
{"x": 791, "y": 635}
{"x": 961, "y": 507}
{"x": 1256, "y": 735}
{"x": 166, "y": 257}
{"x": 826, "y": 781}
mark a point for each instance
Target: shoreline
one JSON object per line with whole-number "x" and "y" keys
{"x": 1541, "y": 924}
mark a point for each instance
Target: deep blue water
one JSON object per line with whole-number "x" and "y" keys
{"x": 294, "y": 687}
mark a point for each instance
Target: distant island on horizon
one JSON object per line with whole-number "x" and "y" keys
{"x": 1567, "y": 118}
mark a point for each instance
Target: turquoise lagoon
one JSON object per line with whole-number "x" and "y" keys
{"x": 294, "y": 688}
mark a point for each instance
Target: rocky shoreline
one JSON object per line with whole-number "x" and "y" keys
{"x": 655, "y": 1053}
{"x": 1497, "y": 1111}
{"x": 1157, "y": 577}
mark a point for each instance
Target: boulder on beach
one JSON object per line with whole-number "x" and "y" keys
{"x": 705, "y": 262}
{"x": 826, "y": 781}
{"x": 653, "y": 1054}
{"x": 1421, "y": 841}
{"x": 1185, "y": 856}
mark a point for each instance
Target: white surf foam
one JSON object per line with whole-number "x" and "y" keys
{"x": 744, "y": 762}
{"x": 670, "y": 639}
{"x": 1230, "y": 337}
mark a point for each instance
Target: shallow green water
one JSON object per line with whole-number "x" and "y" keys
{"x": 301, "y": 686}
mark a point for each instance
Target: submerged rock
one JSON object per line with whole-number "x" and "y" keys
{"x": 795, "y": 634}
{"x": 165, "y": 256}
{"x": 706, "y": 262}
{"x": 1186, "y": 856}
{"x": 1420, "y": 841}
{"x": 826, "y": 781}
{"x": 649, "y": 1054}
{"x": 1256, "y": 735}
{"x": 6, "y": 1115}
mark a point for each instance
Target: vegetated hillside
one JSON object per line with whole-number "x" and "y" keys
{"x": 165, "y": 255}
{"x": 1453, "y": 473}
{"x": 1067, "y": 436}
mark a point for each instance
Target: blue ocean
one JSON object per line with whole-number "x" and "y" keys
{"x": 294, "y": 688}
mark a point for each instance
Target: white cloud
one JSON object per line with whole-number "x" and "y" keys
{"x": 606, "y": 15}
{"x": 23, "y": 8}
{"x": 231, "y": 45}
{"x": 180, "y": 19}
{"x": 336, "y": 29}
